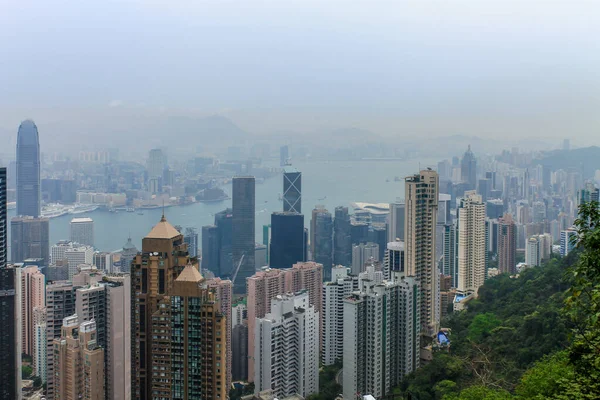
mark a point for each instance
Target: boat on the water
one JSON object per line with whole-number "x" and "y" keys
{"x": 54, "y": 210}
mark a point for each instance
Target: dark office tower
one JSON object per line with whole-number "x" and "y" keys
{"x": 507, "y": 245}
{"x": 494, "y": 208}
{"x": 468, "y": 169}
{"x": 491, "y": 175}
{"x": 292, "y": 191}
{"x": 321, "y": 238}
{"x": 359, "y": 232}
{"x": 484, "y": 189}
{"x": 306, "y": 243}
{"x": 287, "y": 240}
{"x": 28, "y": 170}
{"x": 9, "y": 340}
{"x": 60, "y": 303}
{"x": 239, "y": 344}
{"x": 444, "y": 169}
{"x": 342, "y": 241}
{"x": 3, "y": 220}
{"x": 243, "y": 232}
{"x": 223, "y": 222}
{"x": 378, "y": 234}
{"x": 284, "y": 156}
{"x": 30, "y": 238}
{"x": 546, "y": 177}
{"x": 210, "y": 249}
{"x": 9, "y": 356}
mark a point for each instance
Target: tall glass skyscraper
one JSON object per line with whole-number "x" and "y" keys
{"x": 28, "y": 170}
{"x": 9, "y": 356}
{"x": 342, "y": 240}
{"x": 468, "y": 169}
{"x": 287, "y": 239}
{"x": 292, "y": 191}
{"x": 210, "y": 249}
{"x": 322, "y": 239}
{"x": 3, "y": 220}
{"x": 243, "y": 202}
{"x": 224, "y": 224}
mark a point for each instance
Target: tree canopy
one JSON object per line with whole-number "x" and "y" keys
{"x": 532, "y": 337}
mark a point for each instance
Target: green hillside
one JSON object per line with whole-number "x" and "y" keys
{"x": 532, "y": 337}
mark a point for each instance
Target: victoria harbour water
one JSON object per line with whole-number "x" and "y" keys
{"x": 330, "y": 183}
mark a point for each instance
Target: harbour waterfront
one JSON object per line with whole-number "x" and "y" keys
{"x": 330, "y": 183}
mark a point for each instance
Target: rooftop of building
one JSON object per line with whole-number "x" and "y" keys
{"x": 163, "y": 230}
{"x": 373, "y": 208}
{"x": 288, "y": 169}
{"x": 444, "y": 197}
{"x": 190, "y": 274}
{"x": 81, "y": 220}
{"x": 397, "y": 245}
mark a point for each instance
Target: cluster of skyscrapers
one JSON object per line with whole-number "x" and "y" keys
{"x": 368, "y": 290}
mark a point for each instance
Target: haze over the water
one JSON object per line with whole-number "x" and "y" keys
{"x": 92, "y": 71}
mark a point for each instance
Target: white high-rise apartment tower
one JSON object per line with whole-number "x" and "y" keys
{"x": 381, "y": 334}
{"x": 393, "y": 259}
{"x": 332, "y": 316}
{"x": 82, "y": 231}
{"x": 420, "y": 222}
{"x": 533, "y": 254}
{"x": 78, "y": 255}
{"x": 471, "y": 244}
{"x": 286, "y": 353}
{"x": 363, "y": 253}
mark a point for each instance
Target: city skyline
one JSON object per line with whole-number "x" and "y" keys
{"x": 312, "y": 200}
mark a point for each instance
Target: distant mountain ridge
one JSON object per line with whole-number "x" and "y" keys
{"x": 585, "y": 159}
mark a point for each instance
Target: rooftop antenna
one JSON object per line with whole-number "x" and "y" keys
{"x": 163, "y": 211}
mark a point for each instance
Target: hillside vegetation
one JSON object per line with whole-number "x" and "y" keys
{"x": 532, "y": 337}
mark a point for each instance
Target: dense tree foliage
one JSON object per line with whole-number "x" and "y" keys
{"x": 329, "y": 389}
{"x": 26, "y": 372}
{"x": 532, "y": 337}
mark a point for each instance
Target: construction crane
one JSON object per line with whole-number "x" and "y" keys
{"x": 237, "y": 268}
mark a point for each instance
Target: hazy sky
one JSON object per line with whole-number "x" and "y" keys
{"x": 479, "y": 67}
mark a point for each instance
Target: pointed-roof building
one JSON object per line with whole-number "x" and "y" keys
{"x": 167, "y": 288}
{"x": 163, "y": 230}
{"x": 190, "y": 274}
{"x": 468, "y": 169}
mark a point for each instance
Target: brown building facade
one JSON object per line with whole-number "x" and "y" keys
{"x": 79, "y": 362}
{"x": 179, "y": 334}
{"x": 507, "y": 245}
